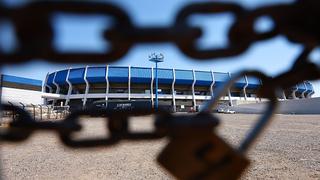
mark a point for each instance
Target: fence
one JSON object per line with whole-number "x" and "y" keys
{"x": 37, "y": 112}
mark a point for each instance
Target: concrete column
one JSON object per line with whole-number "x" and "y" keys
{"x": 58, "y": 87}
{"x": 212, "y": 84}
{"x": 245, "y": 87}
{"x": 50, "y": 88}
{"x": 151, "y": 87}
{"x": 69, "y": 89}
{"x": 284, "y": 95}
{"x": 173, "y": 91}
{"x": 54, "y": 82}
{"x": 87, "y": 87}
{"x": 294, "y": 93}
{"x": 193, "y": 93}
{"x": 306, "y": 89}
{"x": 311, "y": 93}
{"x": 229, "y": 93}
{"x": 129, "y": 82}
{"x": 107, "y": 81}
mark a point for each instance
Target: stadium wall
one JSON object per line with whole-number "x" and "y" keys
{"x": 180, "y": 90}
{"x": 178, "y": 87}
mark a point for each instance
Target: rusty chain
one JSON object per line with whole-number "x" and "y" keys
{"x": 296, "y": 21}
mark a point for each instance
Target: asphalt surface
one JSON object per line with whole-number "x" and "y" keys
{"x": 289, "y": 149}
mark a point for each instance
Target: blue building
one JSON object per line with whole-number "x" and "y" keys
{"x": 179, "y": 89}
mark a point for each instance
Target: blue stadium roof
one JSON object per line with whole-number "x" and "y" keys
{"x": 21, "y": 80}
{"x": 143, "y": 75}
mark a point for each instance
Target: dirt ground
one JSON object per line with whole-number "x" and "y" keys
{"x": 289, "y": 149}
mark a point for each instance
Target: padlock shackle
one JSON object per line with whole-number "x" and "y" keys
{"x": 257, "y": 130}
{"x": 262, "y": 121}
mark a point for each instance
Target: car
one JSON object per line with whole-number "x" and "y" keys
{"x": 220, "y": 110}
{"x": 228, "y": 111}
{"x": 225, "y": 110}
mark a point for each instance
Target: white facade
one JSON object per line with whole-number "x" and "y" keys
{"x": 20, "y": 95}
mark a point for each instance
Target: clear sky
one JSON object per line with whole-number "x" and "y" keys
{"x": 84, "y": 33}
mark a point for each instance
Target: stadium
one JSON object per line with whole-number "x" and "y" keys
{"x": 179, "y": 89}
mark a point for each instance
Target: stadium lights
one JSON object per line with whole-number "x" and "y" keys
{"x": 156, "y": 58}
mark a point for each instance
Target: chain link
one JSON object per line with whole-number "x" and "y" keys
{"x": 296, "y": 21}
{"x": 117, "y": 123}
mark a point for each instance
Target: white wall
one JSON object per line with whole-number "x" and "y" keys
{"x": 292, "y": 106}
{"x": 300, "y": 106}
{"x": 18, "y": 95}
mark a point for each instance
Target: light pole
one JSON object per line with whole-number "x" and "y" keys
{"x": 156, "y": 59}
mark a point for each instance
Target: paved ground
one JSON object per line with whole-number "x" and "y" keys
{"x": 290, "y": 149}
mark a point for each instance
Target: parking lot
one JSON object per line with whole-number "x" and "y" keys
{"x": 289, "y": 149}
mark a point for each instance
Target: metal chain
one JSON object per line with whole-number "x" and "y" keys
{"x": 117, "y": 123}
{"x": 297, "y": 21}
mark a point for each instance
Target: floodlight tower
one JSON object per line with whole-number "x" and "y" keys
{"x": 156, "y": 58}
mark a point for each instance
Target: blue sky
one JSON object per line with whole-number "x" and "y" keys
{"x": 84, "y": 33}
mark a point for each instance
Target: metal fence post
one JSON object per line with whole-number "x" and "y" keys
{"x": 56, "y": 112}
{"x": 13, "y": 111}
{"x": 23, "y": 106}
{"x": 34, "y": 111}
{"x": 40, "y": 112}
{"x": 48, "y": 112}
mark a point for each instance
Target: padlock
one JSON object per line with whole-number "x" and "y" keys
{"x": 195, "y": 152}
